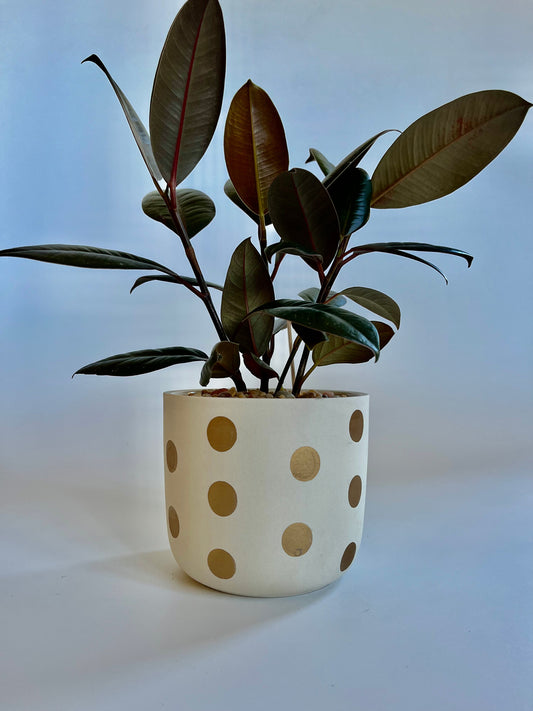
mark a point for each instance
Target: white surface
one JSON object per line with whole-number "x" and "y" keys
{"x": 436, "y": 613}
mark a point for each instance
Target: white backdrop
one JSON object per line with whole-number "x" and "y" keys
{"x": 451, "y": 394}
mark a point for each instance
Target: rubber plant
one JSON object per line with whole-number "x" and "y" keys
{"x": 316, "y": 220}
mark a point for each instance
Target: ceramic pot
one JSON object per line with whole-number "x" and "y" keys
{"x": 265, "y": 497}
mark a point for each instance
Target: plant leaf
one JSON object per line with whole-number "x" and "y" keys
{"x": 446, "y": 148}
{"x": 188, "y": 87}
{"x": 258, "y": 367}
{"x": 353, "y": 159}
{"x": 233, "y": 195}
{"x": 339, "y": 350}
{"x": 77, "y": 255}
{"x": 224, "y": 362}
{"x": 172, "y": 279}
{"x": 254, "y": 146}
{"x": 195, "y": 207}
{"x": 140, "y": 134}
{"x": 291, "y": 248}
{"x": 302, "y": 212}
{"x": 311, "y": 294}
{"x": 351, "y": 194}
{"x": 145, "y": 361}
{"x": 374, "y": 301}
{"x": 247, "y": 286}
{"x": 323, "y": 163}
{"x": 328, "y": 319}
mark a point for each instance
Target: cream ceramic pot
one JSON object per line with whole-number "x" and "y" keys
{"x": 265, "y": 497}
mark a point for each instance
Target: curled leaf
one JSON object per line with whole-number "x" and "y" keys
{"x": 224, "y": 362}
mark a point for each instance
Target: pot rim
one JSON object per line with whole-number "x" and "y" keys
{"x": 338, "y": 395}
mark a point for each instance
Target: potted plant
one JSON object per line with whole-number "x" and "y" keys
{"x": 265, "y": 485}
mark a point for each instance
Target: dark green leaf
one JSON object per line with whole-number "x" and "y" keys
{"x": 247, "y": 286}
{"x": 77, "y": 255}
{"x": 188, "y": 87}
{"x": 224, "y": 362}
{"x": 195, "y": 207}
{"x": 233, "y": 195}
{"x": 291, "y": 248}
{"x": 323, "y": 163}
{"x": 328, "y": 319}
{"x": 351, "y": 194}
{"x": 339, "y": 350}
{"x": 254, "y": 146}
{"x": 446, "y": 148}
{"x": 172, "y": 279}
{"x": 139, "y": 362}
{"x": 302, "y": 213}
{"x": 375, "y": 301}
{"x": 311, "y": 294}
{"x": 137, "y": 128}
{"x": 353, "y": 159}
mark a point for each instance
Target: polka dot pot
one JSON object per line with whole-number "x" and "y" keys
{"x": 265, "y": 497}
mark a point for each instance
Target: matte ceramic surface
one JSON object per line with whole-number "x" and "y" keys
{"x": 265, "y": 497}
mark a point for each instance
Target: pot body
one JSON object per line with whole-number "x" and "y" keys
{"x": 265, "y": 497}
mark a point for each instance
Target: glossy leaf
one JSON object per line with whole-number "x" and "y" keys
{"x": 172, "y": 279}
{"x": 291, "y": 248}
{"x": 254, "y": 146}
{"x": 77, "y": 255}
{"x": 374, "y": 301}
{"x": 145, "y": 361}
{"x": 353, "y": 159}
{"x": 339, "y": 350}
{"x": 323, "y": 163}
{"x": 446, "y": 148}
{"x": 247, "y": 286}
{"x": 328, "y": 319}
{"x": 188, "y": 87}
{"x": 224, "y": 362}
{"x": 140, "y": 134}
{"x": 233, "y": 195}
{"x": 311, "y": 294}
{"x": 351, "y": 194}
{"x": 195, "y": 207}
{"x": 302, "y": 212}
{"x": 258, "y": 367}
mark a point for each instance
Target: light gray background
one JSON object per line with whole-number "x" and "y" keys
{"x": 451, "y": 397}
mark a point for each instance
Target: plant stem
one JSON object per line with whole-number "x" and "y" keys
{"x": 291, "y": 357}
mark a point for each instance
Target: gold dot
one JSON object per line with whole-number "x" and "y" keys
{"x": 355, "y": 490}
{"x": 348, "y": 556}
{"x": 221, "y": 433}
{"x": 172, "y": 456}
{"x": 305, "y": 463}
{"x": 173, "y": 522}
{"x": 356, "y": 425}
{"x": 297, "y": 539}
{"x": 222, "y": 498}
{"x": 221, "y": 564}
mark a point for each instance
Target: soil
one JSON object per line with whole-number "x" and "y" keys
{"x": 258, "y": 394}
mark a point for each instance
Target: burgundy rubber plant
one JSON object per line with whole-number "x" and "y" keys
{"x": 316, "y": 220}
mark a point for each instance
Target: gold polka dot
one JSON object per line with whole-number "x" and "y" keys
{"x": 305, "y": 463}
{"x": 297, "y": 539}
{"x": 356, "y": 425}
{"x": 173, "y": 522}
{"x": 221, "y": 564}
{"x": 222, "y": 498}
{"x": 172, "y": 456}
{"x": 355, "y": 490}
{"x": 221, "y": 433}
{"x": 348, "y": 556}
